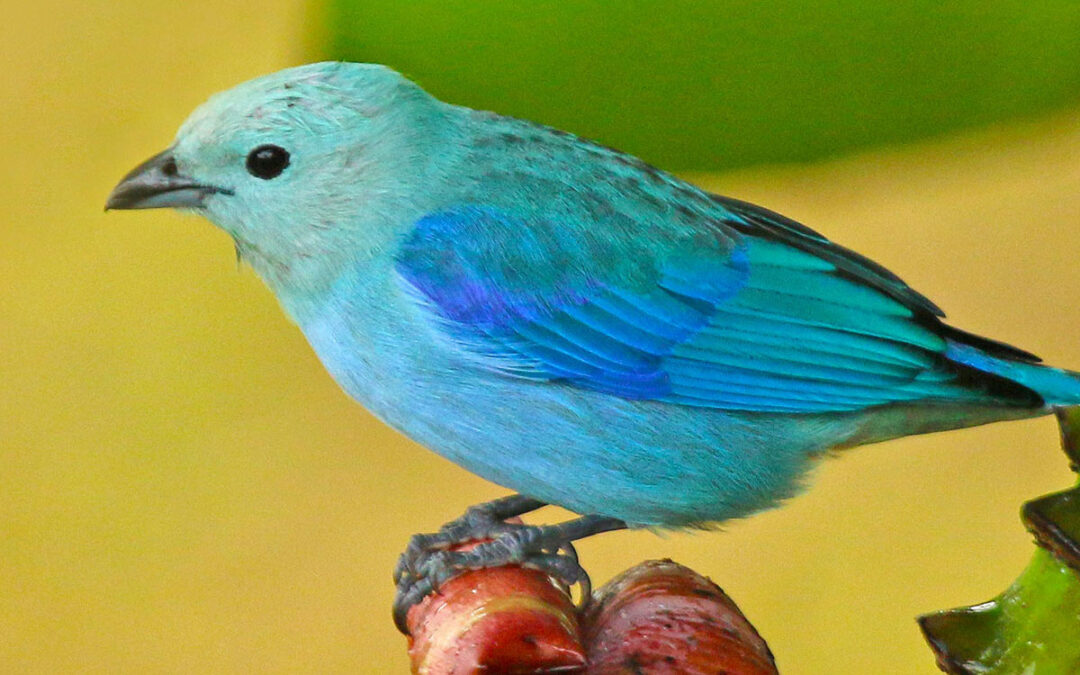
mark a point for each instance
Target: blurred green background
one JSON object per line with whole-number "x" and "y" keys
{"x": 184, "y": 489}
{"x": 712, "y": 85}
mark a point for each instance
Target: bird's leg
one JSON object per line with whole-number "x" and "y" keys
{"x": 534, "y": 546}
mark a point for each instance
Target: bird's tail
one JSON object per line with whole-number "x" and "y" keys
{"x": 1056, "y": 386}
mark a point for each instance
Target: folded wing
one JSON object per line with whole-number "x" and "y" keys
{"x": 753, "y": 312}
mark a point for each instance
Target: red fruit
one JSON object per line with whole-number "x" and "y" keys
{"x": 660, "y": 617}
{"x": 498, "y": 620}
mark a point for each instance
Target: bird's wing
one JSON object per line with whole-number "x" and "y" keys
{"x": 749, "y": 311}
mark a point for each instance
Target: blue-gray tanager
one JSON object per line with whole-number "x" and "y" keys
{"x": 564, "y": 319}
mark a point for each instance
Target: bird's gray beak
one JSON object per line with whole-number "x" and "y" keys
{"x": 156, "y": 183}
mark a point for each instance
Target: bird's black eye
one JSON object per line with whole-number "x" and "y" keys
{"x": 267, "y": 161}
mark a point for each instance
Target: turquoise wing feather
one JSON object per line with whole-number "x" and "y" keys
{"x": 752, "y": 312}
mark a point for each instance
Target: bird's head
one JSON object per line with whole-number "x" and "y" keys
{"x": 306, "y": 168}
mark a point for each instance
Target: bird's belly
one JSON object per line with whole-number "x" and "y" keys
{"x": 646, "y": 462}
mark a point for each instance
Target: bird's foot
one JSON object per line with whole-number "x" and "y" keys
{"x": 520, "y": 547}
{"x": 479, "y": 523}
{"x": 428, "y": 561}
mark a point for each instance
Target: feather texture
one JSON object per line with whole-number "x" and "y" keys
{"x": 738, "y": 322}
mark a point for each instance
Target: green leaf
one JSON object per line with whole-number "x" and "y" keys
{"x": 1034, "y": 626}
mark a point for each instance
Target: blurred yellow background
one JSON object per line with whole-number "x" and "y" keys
{"x": 183, "y": 488}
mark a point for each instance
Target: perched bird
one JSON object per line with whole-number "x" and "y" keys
{"x": 564, "y": 319}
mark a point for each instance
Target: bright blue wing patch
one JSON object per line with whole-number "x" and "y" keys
{"x": 743, "y": 323}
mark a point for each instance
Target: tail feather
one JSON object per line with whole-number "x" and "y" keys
{"x": 1056, "y": 386}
